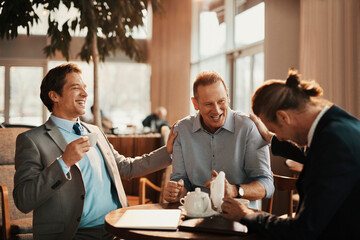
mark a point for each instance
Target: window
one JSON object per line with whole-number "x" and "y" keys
{"x": 249, "y": 75}
{"x": 229, "y": 37}
{"x": 212, "y": 28}
{"x": 125, "y": 93}
{"x": 25, "y": 103}
{"x": 246, "y": 33}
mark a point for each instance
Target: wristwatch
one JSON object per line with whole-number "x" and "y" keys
{"x": 240, "y": 191}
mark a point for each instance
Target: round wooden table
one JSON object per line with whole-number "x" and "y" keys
{"x": 112, "y": 217}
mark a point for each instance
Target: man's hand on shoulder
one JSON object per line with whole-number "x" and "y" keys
{"x": 265, "y": 133}
{"x": 171, "y": 139}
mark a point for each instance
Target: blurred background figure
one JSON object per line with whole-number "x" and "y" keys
{"x": 156, "y": 120}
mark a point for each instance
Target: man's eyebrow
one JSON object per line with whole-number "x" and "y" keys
{"x": 77, "y": 84}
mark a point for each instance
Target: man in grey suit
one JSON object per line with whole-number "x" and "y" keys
{"x": 69, "y": 185}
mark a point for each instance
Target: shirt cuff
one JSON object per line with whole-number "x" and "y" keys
{"x": 64, "y": 167}
{"x": 268, "y": 185}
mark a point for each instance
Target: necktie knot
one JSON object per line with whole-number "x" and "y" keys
{"x": 76, "y": 128}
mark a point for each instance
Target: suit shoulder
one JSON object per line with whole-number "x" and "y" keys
{"x": 34, "y": 131}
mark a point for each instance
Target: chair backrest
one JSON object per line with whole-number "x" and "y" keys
{"x": 284, "y": 183}
{"x": 7, "y": 167}
{"x": 294, "y": 167}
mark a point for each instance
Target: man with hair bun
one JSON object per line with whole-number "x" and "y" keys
{"x": 291, "y": 112}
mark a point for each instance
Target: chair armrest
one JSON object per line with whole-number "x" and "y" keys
{"x": 5, "y": 212}
{"x": 143, "y": 182}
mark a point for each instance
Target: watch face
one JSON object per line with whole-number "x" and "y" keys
{"x": 241, "y": 192}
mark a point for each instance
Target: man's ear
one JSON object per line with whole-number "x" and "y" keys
{"x": 283, "y": 117}
{"x": 53, "y": 96}
{"x": 195, "y": 103}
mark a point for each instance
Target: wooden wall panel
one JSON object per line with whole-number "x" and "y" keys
{"x": 169, "y": 56}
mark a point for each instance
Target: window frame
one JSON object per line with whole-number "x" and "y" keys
{"x": 231, "y": 51}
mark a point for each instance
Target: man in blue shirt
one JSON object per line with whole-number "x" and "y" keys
{"x": 69, "y": 185}
{"x": 218, "y": 138}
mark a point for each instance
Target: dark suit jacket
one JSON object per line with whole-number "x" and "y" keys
{"x": 329, "y": 185}
{"x": 57, "y": 202}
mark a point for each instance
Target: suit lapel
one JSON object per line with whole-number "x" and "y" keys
{"x": 110, "y": 162}
{"x": 55, "y": 134}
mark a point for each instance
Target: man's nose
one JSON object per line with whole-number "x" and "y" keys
{"x": 84, "y": 93}
{"x": 217, "y": 108}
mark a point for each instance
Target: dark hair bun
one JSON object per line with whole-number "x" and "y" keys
{"x": 293, "y": 78}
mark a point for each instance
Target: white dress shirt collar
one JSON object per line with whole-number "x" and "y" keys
{"x": 314, "y": 125}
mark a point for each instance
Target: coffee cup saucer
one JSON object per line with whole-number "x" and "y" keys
{"x": 207, "y": 214}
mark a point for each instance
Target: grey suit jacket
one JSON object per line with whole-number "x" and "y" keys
{"x": 57, "y": 202}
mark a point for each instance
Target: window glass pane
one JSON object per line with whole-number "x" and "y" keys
{"x": 125, "y": 93}
{"x": 242, "y": 84}
{"x": 25, "y": 103}
{"x": 258, "y": 73}
{"x": 249, "y": 25}
{"x": 217, "y": 64}
{"x": 212, "y": 33}
{"x": 2, "y": 94}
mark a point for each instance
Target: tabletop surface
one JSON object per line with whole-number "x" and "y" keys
{"x": 112, "y": 217}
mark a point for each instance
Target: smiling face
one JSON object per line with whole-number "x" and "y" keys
{"x": 212, "y": 102}
{"x": 71, "y": 103}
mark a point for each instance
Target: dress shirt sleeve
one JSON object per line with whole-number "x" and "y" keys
{"x": 178, "y": 164}
{"x": 257, "y": 160}
{"x": 64, "y": 167}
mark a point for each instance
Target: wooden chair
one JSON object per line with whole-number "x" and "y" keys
{"x": 294, "y": 167}
{"x": 144, "y": 182}
{"x": 283, "y": 183}
{"x": 15, "y": 224}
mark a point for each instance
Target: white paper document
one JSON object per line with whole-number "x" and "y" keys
{"x": 161, "y": 219}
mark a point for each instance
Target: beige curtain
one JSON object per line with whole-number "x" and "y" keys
{"x": 329, "y": 49}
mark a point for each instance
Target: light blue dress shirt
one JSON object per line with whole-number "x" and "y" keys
{"x": 98, "y": 198}
{"x": 236, "y": 148}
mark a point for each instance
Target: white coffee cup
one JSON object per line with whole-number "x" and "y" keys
{"x": 92, "y": 138}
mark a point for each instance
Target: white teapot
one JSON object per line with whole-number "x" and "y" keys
{"x": 197, "y": 204}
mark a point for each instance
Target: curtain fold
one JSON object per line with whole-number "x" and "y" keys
{"x": 329, "y": 51}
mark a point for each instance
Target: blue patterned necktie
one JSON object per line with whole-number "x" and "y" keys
{"x": 76, "y": 128}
